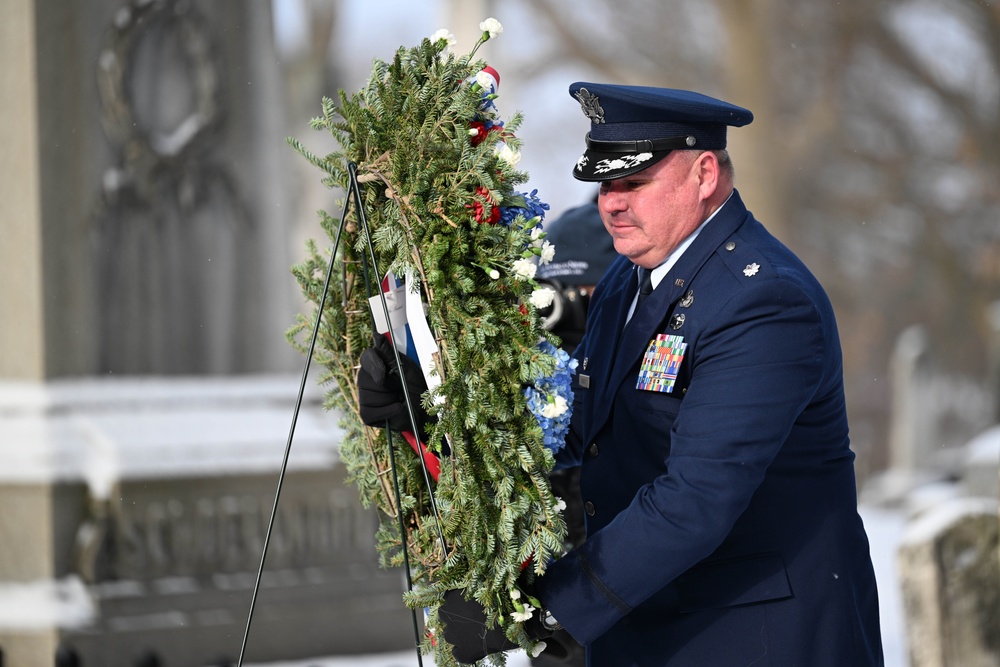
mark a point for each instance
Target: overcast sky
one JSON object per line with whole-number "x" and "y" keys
{"x": 553, "y": 127}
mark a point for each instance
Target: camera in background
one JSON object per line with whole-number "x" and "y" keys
{"x": 583, "y": 251}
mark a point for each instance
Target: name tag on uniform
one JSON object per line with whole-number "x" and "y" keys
{"x": 661, "y": 362}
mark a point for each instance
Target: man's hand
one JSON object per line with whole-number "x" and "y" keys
{"x": 380, "y": 390}
{"x": 465, "y": 629}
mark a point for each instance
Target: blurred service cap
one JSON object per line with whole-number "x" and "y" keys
{"x": 584, "y": 249}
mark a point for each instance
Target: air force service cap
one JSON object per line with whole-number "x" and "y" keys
{"x": 634, "y": 127}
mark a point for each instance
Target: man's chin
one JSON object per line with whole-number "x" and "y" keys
{"x": 630, "y": 250}
{"x": 625, "y": 245}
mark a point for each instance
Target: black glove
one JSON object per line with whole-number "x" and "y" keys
{"x": 561, "y": 649}
{"x": 465, "y": 629}
{"x": 380, "y": 391}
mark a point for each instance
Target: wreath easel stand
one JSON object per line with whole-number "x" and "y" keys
{"x": 355, "y": 196}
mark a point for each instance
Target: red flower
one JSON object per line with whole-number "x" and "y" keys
{"x": 480, "y": 134}
{"x": 479, "y": 210}
{"x": 481, "y": 131}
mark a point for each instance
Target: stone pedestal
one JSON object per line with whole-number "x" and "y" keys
{"x": 950, "y": 574}
{"x": 981, "y": 464}
{"x": 133, "y": 518}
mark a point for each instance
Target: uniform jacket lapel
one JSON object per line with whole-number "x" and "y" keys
{"x": 620, "y": 289}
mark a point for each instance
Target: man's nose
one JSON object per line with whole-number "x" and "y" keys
{"x": 610, "y": 200}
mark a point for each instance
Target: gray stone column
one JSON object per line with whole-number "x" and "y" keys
{"x": 993, "y": 317}
{"x": 43, "y": 273}
{"x": 911, "y": 431}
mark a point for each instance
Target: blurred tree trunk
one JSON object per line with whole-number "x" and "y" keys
{"x": 464, "y": 17}
{"x": 311, "y": 73}
{"x": 748, "y": 81}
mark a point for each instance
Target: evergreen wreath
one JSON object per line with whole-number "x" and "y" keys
{"x": 437, "y": 172}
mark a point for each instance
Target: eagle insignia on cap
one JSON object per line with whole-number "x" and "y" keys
{"x": 623, "y": 162}
{"x": 590, "y": 105}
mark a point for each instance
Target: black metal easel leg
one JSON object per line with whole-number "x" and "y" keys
{"x": 356, "y": 195}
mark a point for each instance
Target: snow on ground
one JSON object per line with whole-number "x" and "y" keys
{"x": 399, "y": 659}
{"x": 885, "y": 529}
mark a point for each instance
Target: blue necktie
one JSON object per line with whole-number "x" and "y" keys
{"x": 645, "y": 287}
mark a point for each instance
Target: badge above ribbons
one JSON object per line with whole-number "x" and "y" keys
{"x": 660, "y": 363}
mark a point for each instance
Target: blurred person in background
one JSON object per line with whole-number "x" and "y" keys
{"x": 583, "y": 251}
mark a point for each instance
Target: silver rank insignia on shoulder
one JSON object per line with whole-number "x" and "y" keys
{"x": 591, "y": 105}
{"x": 688, "y": 299}
{"x": 677, "y": 321}
{"x": 751, "y": 269}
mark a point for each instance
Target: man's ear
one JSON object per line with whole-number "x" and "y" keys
{"x": 708, "y": 172}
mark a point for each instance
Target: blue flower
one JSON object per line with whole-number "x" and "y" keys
{"x": 520, "y": 203}
{"x": 550, "y": 399}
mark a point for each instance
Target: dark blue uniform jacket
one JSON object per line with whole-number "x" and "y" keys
{"x": 722, "y": 517}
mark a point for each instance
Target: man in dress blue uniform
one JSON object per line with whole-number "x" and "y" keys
{"x": 709, "y": 419}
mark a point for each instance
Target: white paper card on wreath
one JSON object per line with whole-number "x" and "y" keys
{"x": 396, "y": 306}
{"x": 423, "y": 337}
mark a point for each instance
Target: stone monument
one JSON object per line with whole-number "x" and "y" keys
{"x": 146, "y": 387}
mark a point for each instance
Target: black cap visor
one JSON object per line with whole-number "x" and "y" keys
{"x": 608, "y": 160}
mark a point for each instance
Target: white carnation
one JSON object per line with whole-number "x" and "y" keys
{"x": 524, "y": 268}
{"x": 542, "y": 298}
{"x": 492, "y": 26}
{"x": 446, "y": 36}
{"x": 522, "y": 616}
{"x": 484, "y": 80}
{"x": 507, "y": 154}
{"x": 555, "y": 407}
{"x": 547, "y": 253}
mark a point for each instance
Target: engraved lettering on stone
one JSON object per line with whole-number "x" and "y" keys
{"x": 156, "y": 536}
